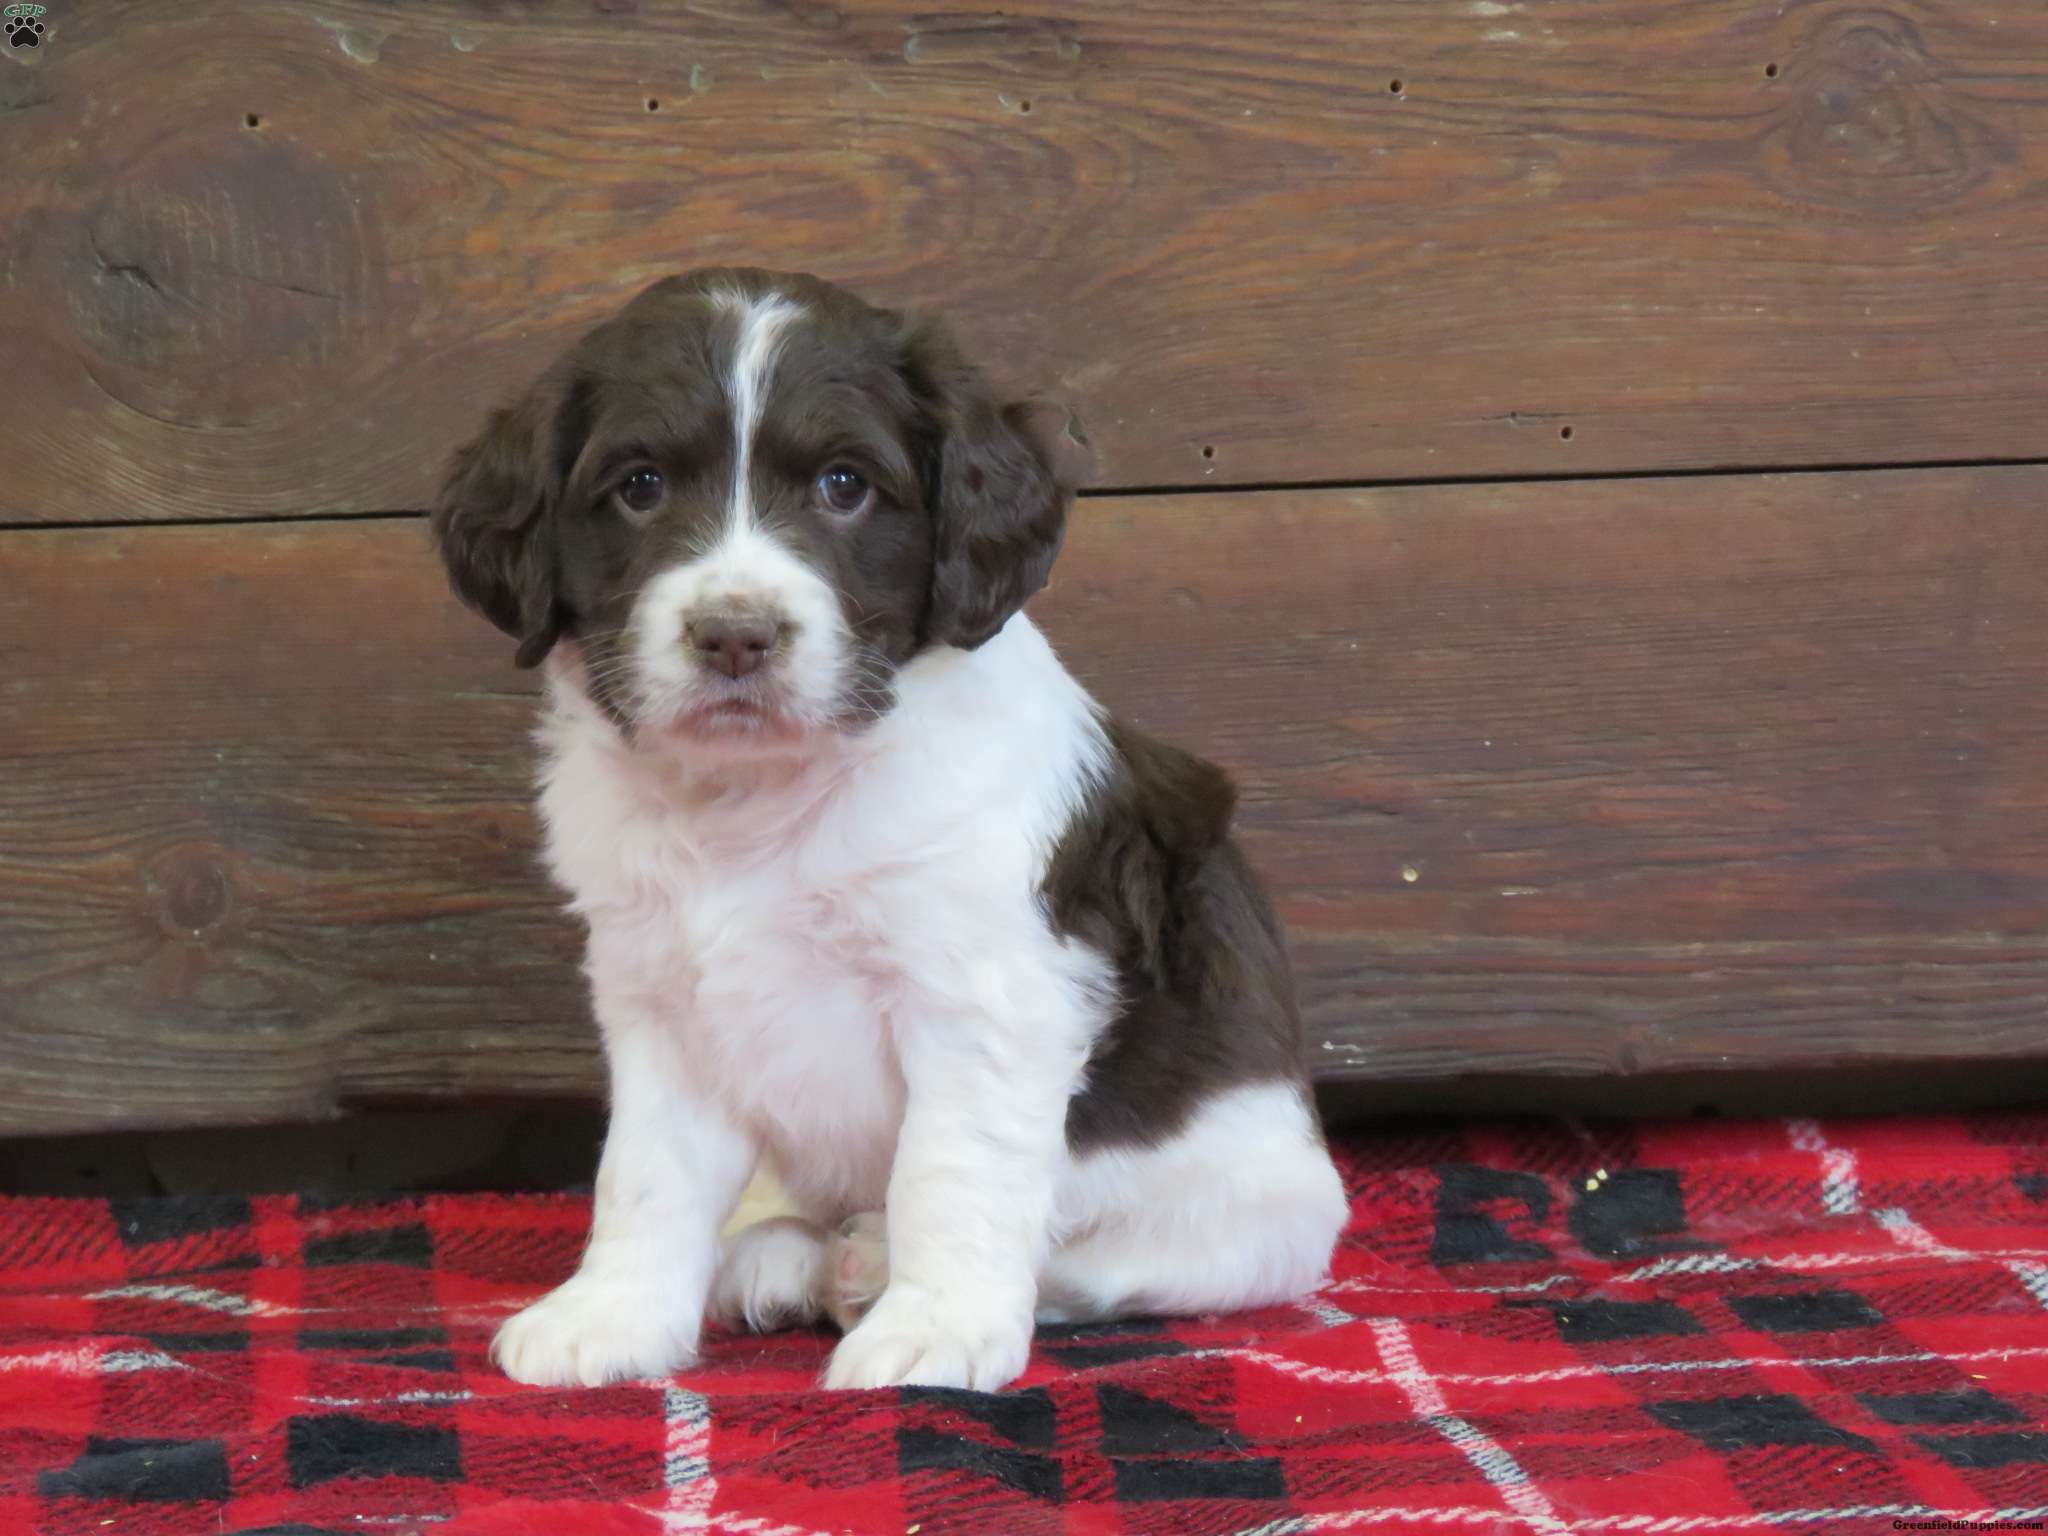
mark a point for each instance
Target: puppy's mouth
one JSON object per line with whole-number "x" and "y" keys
{"x": 735, "y": 716}
{"x": 729, "y": 713}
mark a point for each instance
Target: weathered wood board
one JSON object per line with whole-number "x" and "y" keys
{"x": 1549, "y": 780}
{"x": 271, "y": 257}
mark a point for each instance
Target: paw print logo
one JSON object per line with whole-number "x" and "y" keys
{"x": 24, "y": 25}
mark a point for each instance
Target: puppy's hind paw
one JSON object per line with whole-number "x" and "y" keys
{"x": 771, "y": 1276}
{"x": 856, "y": 1270}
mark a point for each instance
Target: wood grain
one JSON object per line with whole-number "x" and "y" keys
{"x": 276, "y": 256}
{"x": 1630, "y": 778}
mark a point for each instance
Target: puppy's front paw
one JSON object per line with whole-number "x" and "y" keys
{"x": 915, "y": 1339}
{"x": 595, "y": 1329}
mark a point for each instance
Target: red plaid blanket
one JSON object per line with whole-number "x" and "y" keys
{"x": 1616, "y": 1328}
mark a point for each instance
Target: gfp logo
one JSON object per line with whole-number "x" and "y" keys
{"x": 25, "y": 25}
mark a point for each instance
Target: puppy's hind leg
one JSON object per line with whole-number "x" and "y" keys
{"x": 1241, "y": 1209}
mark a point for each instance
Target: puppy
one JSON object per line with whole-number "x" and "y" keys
{"x": 873, "y": 888}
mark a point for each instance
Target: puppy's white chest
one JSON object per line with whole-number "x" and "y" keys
{"x": 796, "y": 985}
{"x": 776, "y": 986}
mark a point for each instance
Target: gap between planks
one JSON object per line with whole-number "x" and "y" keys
{"x": 1195, "y": 488}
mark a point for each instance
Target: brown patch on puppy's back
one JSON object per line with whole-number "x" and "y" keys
{"x": 1149, "y": 876}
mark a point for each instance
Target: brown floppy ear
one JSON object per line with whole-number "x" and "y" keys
{"x": 999, "y": 481}
{"x": 494, "y": 521}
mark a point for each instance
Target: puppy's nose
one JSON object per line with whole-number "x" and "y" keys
{"x": 733, "y": 643}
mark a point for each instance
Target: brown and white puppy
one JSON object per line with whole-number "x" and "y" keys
{"x": 873, "y": 888}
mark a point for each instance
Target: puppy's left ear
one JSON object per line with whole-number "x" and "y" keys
{"x": 494, "y": 521}
{"x": 1000, "y": 481}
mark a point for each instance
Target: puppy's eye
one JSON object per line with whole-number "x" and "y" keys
{"x": 844, "y": 491}
{"x": 640, "y": 492}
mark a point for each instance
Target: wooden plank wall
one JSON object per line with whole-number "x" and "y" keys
{"x": 1582, "y": 463}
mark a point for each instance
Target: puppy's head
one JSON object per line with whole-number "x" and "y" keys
{"x": 749, "y": 499}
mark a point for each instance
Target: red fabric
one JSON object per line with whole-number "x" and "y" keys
{"x": 1533, "y": 1327}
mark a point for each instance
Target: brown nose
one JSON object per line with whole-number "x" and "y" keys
{"x": 734, "y": 644}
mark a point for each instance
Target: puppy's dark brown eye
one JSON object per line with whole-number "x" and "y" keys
{"x": 844, "y": 491}
{"x": 640, "y": 492}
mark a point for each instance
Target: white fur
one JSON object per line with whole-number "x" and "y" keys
{"x": 772, "y": 1276}
{"x": 673, "y": 1166}
{"x": 1238, "y": 1210}
{"x": 762, "y": 323}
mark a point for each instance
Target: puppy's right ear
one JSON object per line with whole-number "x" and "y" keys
{"x": 494, "y": 521}
{"x": 1000, "y": 481}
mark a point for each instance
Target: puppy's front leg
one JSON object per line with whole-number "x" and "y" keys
{"x": 969, "y": 1203}
{"x": 672, "y": 1170}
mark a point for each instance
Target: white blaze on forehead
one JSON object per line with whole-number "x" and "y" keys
{"x": 763, "y": 319}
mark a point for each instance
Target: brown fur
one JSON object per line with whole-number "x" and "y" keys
{"x": 1150, "y": 876}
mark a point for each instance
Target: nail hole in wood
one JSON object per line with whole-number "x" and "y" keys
{"x": 1770, "y": 71}
{"x": 1394, "y": 86}
{"x": 252, "y": 121}
{"x": 1208, "y": 450}
{"x": 1024, "y": 105}
{"x": 654, "y": 103}
{"x": 1565, "y": 433}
